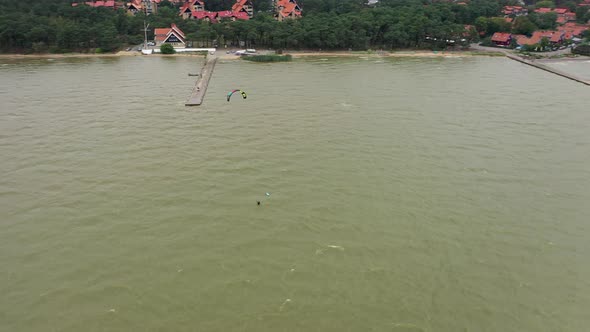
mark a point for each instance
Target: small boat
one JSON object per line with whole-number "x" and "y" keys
{"x": 145, "y": 50}
{"x": 189, "y": 74}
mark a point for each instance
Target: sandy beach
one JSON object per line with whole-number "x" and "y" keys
{"x": 224, "y": 56}
{"x": 399, "y": 54}
{"x": 383, "y": 54}
{"x": 580, "y": 58}
{"x": 89, "y": 55}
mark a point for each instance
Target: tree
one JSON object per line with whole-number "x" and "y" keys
{"x": 523, "y": 25}
{"x": 544, "y": 43}
{"x": 37, "y": 34}
{"x": 328, "y": 24}
{"x": 487, "y": 42}
{"x": 481, "y": 24}
{"x": 167, "y": 49}
{"x": 486, "y": 8}
{"x": 582, "y": 14}
{"x": 217, "y": 5}
{"x": 107, "y": 37}
{"x": 544, "y": 21}
{"x": 529, "y": 48}
{"x": 571, "y": 5}
{"x": 203, "y": 34}
{"x": 473, "y": 35}
{"x": 547, "y": 21}
{"x": 513, "y": 43}
{"x": 67, "y": 35}
{"x": 499, "y": 24}
{"x": 545, "y": 4}
{"x": 262, "y": 5}
{"x": 166, "y": 3}
{"x": 491, "y": 25}
{"x": 583, "y": 49}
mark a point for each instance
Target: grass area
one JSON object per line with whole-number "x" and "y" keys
{"x": 582, "y": 49}
{"x": 487, "y": 53}
{"x": 268, "y": 58}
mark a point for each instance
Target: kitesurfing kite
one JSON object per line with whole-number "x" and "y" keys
{"x": 237, "y": 90}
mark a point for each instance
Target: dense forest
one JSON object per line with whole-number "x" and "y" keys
{"x": 36, "y": 26}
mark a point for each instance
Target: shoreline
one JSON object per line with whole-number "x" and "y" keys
{"x": 578, "y": 58}
{"x": 221, "y": 54}
{"x": 384, "y": 54}
{"x": 296, "y": 54}
{"x": 89, "y": 55}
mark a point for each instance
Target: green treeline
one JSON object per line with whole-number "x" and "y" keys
{"x": 268, "y": 58}
{"x": 582, "y": 49}
{"x": 56, "y": 26}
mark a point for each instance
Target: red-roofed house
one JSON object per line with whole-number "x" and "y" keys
{"x": 241, "y": 16}
{"x": 521, "y": 39}
{"x": 584, "y": 3}
{"x": 573, "y": 29}
{"x": 133, "y": 7}
{"x": 554, "y": 37}
{"x": 195, "y": 9}
{"x": 230, "y": 15}
{"x": 172, "y": 35}
{"x": 185, "y": 12}
{"x": 108, "y": 4}
{"x": 569, "y": 16}
{"x": 563, "y": 14}
{"x": 543, "y": 10}
{"x": 287, "y": 9}
{"x": 226, "y": 14}
{"x": 146, "y": 6}
{"x": 206, "y": 16}
{"x": 243, "y": 6}
{"x": 514, "y": 10}
{"x": 557, "y": 37}
{"x": 191, "y": 6}
{"x": 502, "y": 38}
{"x": 558, "y": 11}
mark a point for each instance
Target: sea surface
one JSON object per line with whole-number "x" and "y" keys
{"x": 414, "y": 194}
{"x": 577, "y": 66}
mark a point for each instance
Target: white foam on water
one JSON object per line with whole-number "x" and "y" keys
{"x": 284, "y": 304}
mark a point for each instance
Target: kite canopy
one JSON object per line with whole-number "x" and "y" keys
{"x": 244, "y": 95}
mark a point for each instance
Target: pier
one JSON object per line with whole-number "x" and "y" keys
{"x": 547, "y": 68}
{"x": 198, "y": 94}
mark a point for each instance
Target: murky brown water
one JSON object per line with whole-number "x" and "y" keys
{"x": 405, "y": 195}
{"x": 579, "y": 67}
